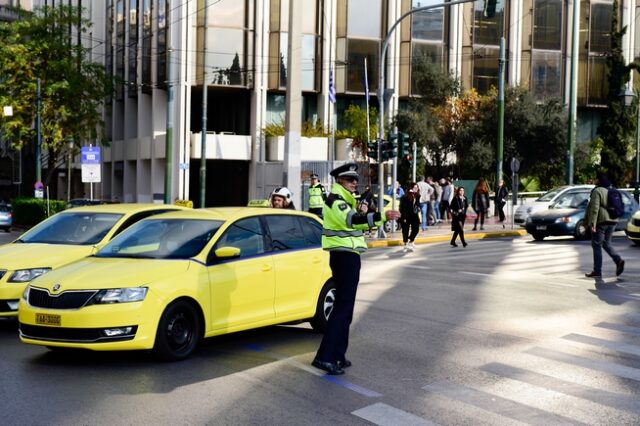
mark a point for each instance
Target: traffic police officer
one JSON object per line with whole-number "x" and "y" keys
{"x": 316, "y": 196}
{"x": 343, "y": 237}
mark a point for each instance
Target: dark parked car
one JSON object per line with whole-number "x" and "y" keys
{"x": 566, "y": 216}
{"x": 6, "y": 217}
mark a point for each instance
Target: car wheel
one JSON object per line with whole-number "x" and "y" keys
{"x": 581, "y": 232}
{"x": 636, "y": 242}
{"x": 179, "y": 332}
{"x": 324, "y": 307}
{"x": 538, "y": 237}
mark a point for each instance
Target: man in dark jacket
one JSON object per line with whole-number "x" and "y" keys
{"x": 602, "y": 227}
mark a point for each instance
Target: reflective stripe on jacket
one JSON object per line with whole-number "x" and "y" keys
{"x": 343, "y": 226}
{"x": 316, "y": 196}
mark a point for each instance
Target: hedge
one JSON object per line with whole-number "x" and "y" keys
{"x": 28, "y": 211}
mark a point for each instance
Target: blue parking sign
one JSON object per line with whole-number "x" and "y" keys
{"x": 90, "y": 155}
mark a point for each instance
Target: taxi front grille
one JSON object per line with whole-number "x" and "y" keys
{"x": 67, "y": 300}
{"x": 636, "y": 222}
{"x": 72, "y": 335}
{"x": 2, "y": 272}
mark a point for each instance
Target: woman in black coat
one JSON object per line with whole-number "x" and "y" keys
{"x": 409, "y": 218}
{"x": 459, "y": 206}
{"x": 480, "y": 202}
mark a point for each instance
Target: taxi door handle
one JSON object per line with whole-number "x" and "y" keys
{"x": 266, "y": 267}
{"x": 316, "y": 259}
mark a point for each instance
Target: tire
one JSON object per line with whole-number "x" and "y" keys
{"x": 581, "y": 232}
{"x": 538, "y": 237}
{"x": 636, "y": 242}
{"x": 179, "y": 332}
{"x": 324, "y": 307}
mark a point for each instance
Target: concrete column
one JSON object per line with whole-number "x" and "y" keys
{"x": 292, "y": 163}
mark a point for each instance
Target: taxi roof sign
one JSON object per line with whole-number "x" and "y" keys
{"x": 258, "y": 203}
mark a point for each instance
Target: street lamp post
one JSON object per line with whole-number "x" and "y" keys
{"x": 627, "y": 98}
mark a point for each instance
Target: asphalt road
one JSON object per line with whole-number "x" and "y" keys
{"x": 503, "y": 332}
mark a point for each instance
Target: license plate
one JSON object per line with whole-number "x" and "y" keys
{"x": 541, "y": 227}
{"x": 47, "y": 319}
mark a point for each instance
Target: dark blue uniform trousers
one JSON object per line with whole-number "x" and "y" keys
{"x": 345, "y": 267}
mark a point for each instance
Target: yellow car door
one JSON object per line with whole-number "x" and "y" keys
{"x": 243, "y": 287}
{"x": 299, "y": 263}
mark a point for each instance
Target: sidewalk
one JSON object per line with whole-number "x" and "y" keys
{"x": 442, "y": 233}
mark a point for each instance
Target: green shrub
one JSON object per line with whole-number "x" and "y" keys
{"x": 29, "y": 211}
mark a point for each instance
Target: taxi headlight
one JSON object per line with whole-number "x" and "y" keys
{"x": 120, "y": 295}
{"x": 26, "y": 275}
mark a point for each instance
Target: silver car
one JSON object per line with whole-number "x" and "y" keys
{"x": 524, "y": 210}
{"x": 6, "y": 217}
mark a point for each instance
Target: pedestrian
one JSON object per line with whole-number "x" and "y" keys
{"x": 435, "y": 199}
{"x": 425, "y": 201}
{"x": 459, "y": 206}
{"x": 480, "y": 202}
{"x": 317, "y": 195}
{"x": 410, "y": 216}
{"x": 501, "y": 200}
{"x": 602, "y": 227}
{"x": 281, "y": 198}
{"x": 396, "y": 191}
{"x": 447, "y": 196}
{"x": 342, "y": 237}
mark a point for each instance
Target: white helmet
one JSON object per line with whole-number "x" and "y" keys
{"x": 283, "y": 192}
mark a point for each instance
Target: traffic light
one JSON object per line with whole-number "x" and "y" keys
{"x": 490, "y": 8}
{"x": 372, "y": 150}
{"x": 403, "y": 142}
{"x": 389, "y": 150}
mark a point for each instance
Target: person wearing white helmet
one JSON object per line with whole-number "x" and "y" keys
{"x": 281, "y": 198}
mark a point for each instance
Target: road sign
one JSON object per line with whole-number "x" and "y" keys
{"x": 515, "y": 165}
{"x": 38, "y": 185}
{"x": 39, "y": 193}
{"x": 91, "y": 173}
{"x": 89, "y": 155}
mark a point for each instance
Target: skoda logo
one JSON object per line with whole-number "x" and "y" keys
{"x": 56, "y": 287}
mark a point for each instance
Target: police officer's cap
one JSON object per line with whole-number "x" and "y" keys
{"x": 346, "y": 170}
{"x": 313, "y": 176}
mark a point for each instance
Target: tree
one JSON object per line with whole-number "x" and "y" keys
{"x": 40, "y": 45}
{"x": 421, "y": 118}
{"x": 617, "y": 127}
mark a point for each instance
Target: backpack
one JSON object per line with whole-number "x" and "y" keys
{"x": 615, "y": 206}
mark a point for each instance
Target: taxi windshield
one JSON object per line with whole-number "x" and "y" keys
{"x": 162, "y": 239}
{"x": 72, "y": 228}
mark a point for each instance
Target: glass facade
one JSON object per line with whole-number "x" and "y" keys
{"x": 427, "y": 38}
{"x": 487, "y": 32}
{"x": 229, "y": 40}
{"x": 161, "y": 44}
{"x": 120, "y": 49}
{"x": 595, "y": 43}
{"x": 132, "y": 71}
{"x": 279, "y": 38}
{"x": 109, "y": 41}
{"x": 546, "y": 53}
{"x": 145, "y": 77}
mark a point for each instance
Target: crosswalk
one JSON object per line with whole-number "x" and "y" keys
{"x": 554, "y": 384}
{"x": 590, "y": 376}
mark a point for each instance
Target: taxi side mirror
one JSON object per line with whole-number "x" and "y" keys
{"x": 227, "y": 252}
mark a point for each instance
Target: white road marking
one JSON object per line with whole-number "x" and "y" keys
{"x": 386, "y": 415}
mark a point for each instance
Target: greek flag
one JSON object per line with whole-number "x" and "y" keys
{"x": 332, "y": 88}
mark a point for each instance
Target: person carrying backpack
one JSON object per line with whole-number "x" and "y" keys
{"x": 602, "y": 222}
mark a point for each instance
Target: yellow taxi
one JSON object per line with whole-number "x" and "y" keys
{"x": 63, "y": 238}
{"x": 633, "y": 228}
{"x": 172, "y": 279}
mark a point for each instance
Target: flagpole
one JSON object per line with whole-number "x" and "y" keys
{"x": 366, "y": 96}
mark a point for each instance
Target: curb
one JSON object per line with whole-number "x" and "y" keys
{"x": 444, "y": 238}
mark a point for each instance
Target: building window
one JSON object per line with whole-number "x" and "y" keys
{"x": 109, "y": 41}
{"x": 594, "y": 46}
{"x": 120, "y": 45}
{"x": 486, "y": 45}
{"x": 133, "y": 49}
{"x": 546, "y": 61}
{"x": 279, "y": 39}
{"x": 145, "y": 77}
{"x": 161, "y": 45}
